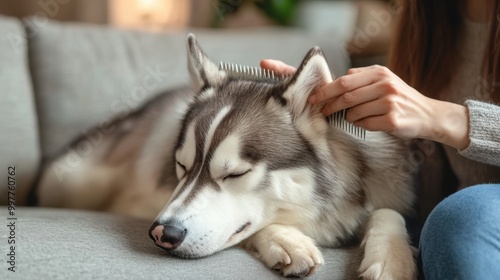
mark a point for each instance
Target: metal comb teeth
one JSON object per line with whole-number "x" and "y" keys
{"x": 337, "y": 119}
{"x": 250, "y": 72}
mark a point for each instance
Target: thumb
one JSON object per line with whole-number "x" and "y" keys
{"x": 277, "y": 66}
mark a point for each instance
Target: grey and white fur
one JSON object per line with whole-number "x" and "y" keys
{"x": 256, "y": 165}
{"x": 260, "y": 166}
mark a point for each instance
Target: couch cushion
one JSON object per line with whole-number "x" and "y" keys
{"x": 84, "y": 74}
{"x": 68, "y": 244}
{"x": 19, "y": 145}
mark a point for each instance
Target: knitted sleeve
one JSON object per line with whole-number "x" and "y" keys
{"x": 484, "y": 132}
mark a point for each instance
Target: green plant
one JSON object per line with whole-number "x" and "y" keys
{"x": 281, "y": 11}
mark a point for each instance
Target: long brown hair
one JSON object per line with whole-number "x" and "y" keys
{"x": 424, "y": 50}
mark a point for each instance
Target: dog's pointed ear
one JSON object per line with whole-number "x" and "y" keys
{"x": 313, "y": 72}
{"x": 204, "y": 73}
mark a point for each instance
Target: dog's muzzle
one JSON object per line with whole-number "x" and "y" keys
{"x": 168, "y": 235}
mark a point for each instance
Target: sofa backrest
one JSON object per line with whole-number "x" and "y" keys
{"x": 84, "y": 74}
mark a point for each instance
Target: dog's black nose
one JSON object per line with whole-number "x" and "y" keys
{"x": 168, "y": 235}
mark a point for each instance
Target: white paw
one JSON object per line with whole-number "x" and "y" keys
{"x": 387, "y": 252}
{"x": 287, "y": 250}
{"x": 389, "y": 265}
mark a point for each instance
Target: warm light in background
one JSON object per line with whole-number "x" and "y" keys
{"x": 150, "y": 14}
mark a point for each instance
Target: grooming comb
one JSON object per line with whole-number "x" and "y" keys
{"x": 258, "y": 74}
{"x": 251, "y": 73}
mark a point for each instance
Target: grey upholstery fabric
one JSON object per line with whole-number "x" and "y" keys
{"x": 68, "y": 244}
{"x": 85, "y": 74}
{"x": 18, "y": 125}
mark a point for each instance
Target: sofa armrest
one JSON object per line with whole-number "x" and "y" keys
{"x": 19, "y": 142}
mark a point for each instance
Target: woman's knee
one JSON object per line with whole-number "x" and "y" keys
{"x": 459, "y": 231}
{"x": 469, "y": 206}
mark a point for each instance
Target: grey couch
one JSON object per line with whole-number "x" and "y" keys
{"x": 57, "y": 80}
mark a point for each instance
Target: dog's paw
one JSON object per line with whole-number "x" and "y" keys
{"x": 395, "y": 264}
{"x": 387, "y": 253}
{"x": 299, "y": 257}
{"x": 288, "y": 250}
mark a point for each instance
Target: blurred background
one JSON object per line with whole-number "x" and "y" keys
{"x": 365, "y": 25}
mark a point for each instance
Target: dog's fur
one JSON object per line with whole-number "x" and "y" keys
{"x": 255, "y": 165}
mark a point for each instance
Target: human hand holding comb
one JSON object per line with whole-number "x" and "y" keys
{"x": 378, "y": 100}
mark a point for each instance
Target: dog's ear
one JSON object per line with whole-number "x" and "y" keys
{"x": 313, "y": 72}
{"x": 204, "y": 73}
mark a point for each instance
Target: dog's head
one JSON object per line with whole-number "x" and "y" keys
{"x": 242, "y": 146}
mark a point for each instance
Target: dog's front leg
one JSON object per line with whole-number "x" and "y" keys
{"x": 285, "y": 248}
{"x": 387, "y": 252}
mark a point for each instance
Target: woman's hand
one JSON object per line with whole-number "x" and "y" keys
{"x": 378, "y": 100}
{"x": 277, "y": 66}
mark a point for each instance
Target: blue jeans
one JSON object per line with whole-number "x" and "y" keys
{"x": 461, "y": 237}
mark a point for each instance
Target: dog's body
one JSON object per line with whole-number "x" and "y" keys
{"x": 255, "y": 165}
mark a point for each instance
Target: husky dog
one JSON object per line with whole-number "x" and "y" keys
{"x": 255, "y": 164}
{"x": 258, "y": 165}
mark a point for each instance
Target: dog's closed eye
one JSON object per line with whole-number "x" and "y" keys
{"x": 181, "y": 166}
{"x": 236, "y": 175}
{"x": 180, "y": 170}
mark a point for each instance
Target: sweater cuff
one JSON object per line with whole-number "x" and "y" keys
{"x": 484, "y": 132}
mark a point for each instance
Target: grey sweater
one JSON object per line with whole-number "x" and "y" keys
{"x": 484, "y": 133}
{"x": 480, "y": 161}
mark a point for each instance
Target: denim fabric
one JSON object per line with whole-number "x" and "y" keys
{"x": 461, "y": 237}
